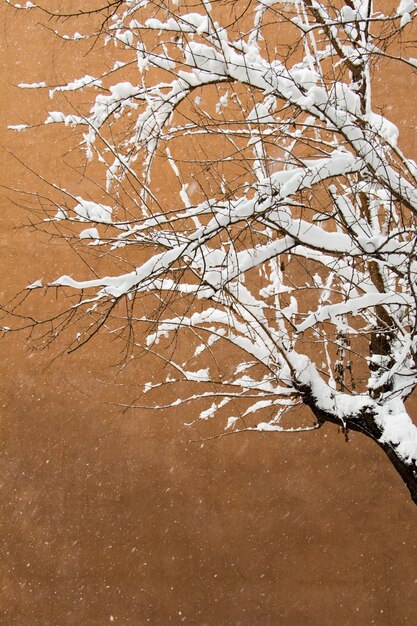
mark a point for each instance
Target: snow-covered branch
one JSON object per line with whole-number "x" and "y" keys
{"x": 273, "y": 209}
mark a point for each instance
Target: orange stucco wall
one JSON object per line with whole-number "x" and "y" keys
{"x": 117, "y": 518}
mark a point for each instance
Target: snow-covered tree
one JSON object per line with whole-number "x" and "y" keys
{"x": 262, "y": 204}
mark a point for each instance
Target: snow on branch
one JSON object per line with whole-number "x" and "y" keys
{"x": 272, "y": 208}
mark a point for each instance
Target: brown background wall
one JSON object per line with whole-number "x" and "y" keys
{"x": 111, "y": 518}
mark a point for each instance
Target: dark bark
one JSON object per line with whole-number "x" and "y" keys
{"x": 364, "y": 423}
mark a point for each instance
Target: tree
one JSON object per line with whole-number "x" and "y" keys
{"x": 273, "y": 261}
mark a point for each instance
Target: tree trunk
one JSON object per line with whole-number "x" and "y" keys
{"x": 408, "y": 471}
{"x": 364, "y": 423}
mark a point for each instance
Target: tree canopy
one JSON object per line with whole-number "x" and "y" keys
{"x": 262, "y": 205}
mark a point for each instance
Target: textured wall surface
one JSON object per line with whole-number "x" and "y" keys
{"x": 117, "y": 518}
